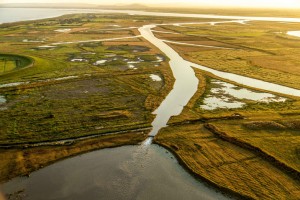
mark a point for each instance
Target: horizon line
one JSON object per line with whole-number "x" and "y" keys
{"x": 155, "y": 5}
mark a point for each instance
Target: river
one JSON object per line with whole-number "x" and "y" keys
{"x": 185, "y": 86}
{"x": 186, "y": 83}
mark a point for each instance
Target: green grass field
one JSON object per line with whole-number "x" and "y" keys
{"x": 9, "y": 62}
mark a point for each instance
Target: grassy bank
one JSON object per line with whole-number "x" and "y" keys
{"x": 21, "y": 162}
{"x": 227, "y": 165}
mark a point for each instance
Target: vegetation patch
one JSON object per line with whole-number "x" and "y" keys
{"x": 255, "y": 51}
{"x": 10, "y": 62}
{"x": 21, "y": 162}
{"x": 228, "y": 166}
{"x": 264, "y": 125}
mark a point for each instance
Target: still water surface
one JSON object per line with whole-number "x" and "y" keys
{"x": 129, "y": 172}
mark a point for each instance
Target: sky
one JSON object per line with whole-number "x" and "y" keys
{"x": 236, "y": 3}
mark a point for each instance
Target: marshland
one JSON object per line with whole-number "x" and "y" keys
{"x": 81, "y": 92}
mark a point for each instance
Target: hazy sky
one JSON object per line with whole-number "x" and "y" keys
{"x": 244, "y": 3}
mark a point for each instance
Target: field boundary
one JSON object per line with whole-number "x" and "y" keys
{"x": 277, "y": 163}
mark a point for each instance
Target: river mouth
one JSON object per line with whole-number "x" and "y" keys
{"x": 129, "y": 172}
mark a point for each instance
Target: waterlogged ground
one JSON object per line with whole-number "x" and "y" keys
{"x": 229, "y": 96}
{"x": 84, "y": 69}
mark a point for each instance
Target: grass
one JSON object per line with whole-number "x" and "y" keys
{"x": 227, "y": 165}
{"x": 10, "y": 62}
{"x": 260, "y": 50}
{"x": 269, "y": 134}
{"x": 73, "y": 108}
{"x": 231, "y": 167}
{"x": 103, "y": 98}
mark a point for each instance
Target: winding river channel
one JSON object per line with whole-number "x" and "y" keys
{"x": 146, "y": 171}
{"x": 186, "y": 83}
{"x": 185, "y": 86}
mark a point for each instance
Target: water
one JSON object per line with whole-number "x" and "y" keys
{"x": 9, "y": 14}
{"x": 155, "y": 77}
{"x": 251, "y": 82}
{"x": 185, "y": 86}
{"x": 2, "y": 99}
{"x": 186, "y": 83}
{"x": 195, "y": 45}
{"x": 24, "y": 14}
{"x": 226, "y": 95}
{"x": 100, "y": 40}
{"x": 130, "y": 172}
{"x": 294, "y": 33}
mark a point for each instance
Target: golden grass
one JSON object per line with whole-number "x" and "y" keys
{"x": 279, "y": 141}
{"x": 227, "y": 165}
{"x": 261, "y": 50}
{"x": 233, "y": 167}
